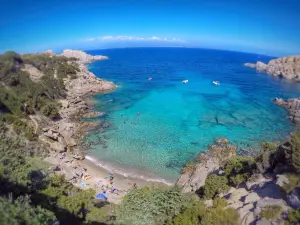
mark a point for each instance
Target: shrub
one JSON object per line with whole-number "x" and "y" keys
{"x": 293, "y": 217}
{"x": 271, "y": 212}
{"x": 21, "y": 212}
{"x": 190, "y": 216}
{"x": 238, "y": 169}
{"x": 268, "y": 146}
{"x": 294, "y": 181}
{"x": 50, "y": 110}
{"x": 150, "y": 206}
{"x": 214, "y": 185}
{"x": 219, "y": 215}
{"x": 219, "y": 202}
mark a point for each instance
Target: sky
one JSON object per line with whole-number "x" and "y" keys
{"x": 269, "y": 27}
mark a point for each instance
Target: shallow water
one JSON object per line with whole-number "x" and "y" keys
{"x": 159, "y": 125}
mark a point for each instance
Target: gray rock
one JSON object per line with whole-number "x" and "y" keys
{"x": 252, "y": 197}
{"x": 281, "y": 180}
{"x": 208, "y": 203}
{"x": 293, "y": 198}
{"x": 237, "y": 195}
{"x": 255, "y": 181}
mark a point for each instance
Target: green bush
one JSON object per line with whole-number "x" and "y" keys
{"x": 238, "y": 169}
{"x": 294, "y": 181}
{"x": 190, "y": 216}
{"x": 21, "y": 212}
{"x": 50, "y": 110}
{"x": 150, "y": 206}
{"x": 214, "y": 185}
{"x": 221, "y": 216}
{"x": 293, "y": 217}
{"x": 271, "y": 212}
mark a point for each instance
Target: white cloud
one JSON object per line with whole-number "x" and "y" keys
{"x": 132, "y": 38}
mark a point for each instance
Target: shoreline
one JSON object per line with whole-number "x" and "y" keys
{"x": 80, "y": 102}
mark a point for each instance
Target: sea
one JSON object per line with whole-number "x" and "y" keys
{"x": 154, "y": 123}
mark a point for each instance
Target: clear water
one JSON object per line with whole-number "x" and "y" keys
{"x": 176, "y": 120}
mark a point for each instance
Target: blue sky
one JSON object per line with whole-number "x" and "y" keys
{"x": 260, "y": 26}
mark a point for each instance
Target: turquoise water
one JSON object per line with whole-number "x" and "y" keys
{"x": 157, "y": 126}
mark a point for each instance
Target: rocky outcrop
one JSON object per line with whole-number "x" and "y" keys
{"x": 293, "y": 107}
{"x": 34, "y": 74}
{"x": 209, "y": 162}
{"x": 286, "y": 67}
{"x": 63, "y": 134}
{"x": 82, "y": 56}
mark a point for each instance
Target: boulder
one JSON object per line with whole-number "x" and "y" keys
{"x": 281, "y": 180}
{"x": 252, "y": 197}
{"x": 255, "y": 181}
{"x": 237, "y": 195}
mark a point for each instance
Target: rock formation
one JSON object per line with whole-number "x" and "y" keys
{"x": 63, "y": 133}
{"x": 210, "y": 162}
{"x": 82, "y": 56}
{"x": 286, "y": 67}
{"x": 293, "y": 107}
{"x": 34, "y": 74}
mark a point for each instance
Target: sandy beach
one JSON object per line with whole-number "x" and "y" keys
{"x": 99, "y": 178}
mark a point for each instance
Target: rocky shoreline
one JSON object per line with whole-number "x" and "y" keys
{"x": 64, "y": 133}
{"x": 286, "y": 67}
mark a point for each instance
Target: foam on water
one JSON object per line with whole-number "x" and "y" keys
{"x": 176, "y": 120}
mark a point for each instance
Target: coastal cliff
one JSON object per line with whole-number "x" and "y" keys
{"x": 254, "y": 186}
{"x": 286, "y": 67}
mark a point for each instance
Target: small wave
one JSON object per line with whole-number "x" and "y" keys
{"x": 124, "y": 172}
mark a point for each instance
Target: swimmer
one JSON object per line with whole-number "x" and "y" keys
{"x": 138, "y": 113}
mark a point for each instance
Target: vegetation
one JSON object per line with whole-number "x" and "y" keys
{"x": 150, "y": 206}
{"x": 294, "y": 182}
{"x": 238, "y": 169}
{"x": 271, "y": 212}
{"x": 197, "y": 214}
{"x": 20, "y": 95}
{"x": 214, "y": 185}
{"x": 293, "y": 217}
{"x": 20, "y": 211}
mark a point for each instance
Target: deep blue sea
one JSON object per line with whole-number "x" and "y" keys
{"x": 159, "y": 125}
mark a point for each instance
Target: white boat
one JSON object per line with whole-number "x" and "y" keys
{"x": 216, "y": 83}
{"x": 185, "y": 81}
{"x": 150, "y": 78}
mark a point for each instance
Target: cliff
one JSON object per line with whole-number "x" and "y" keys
{"x": 286, "y": 67}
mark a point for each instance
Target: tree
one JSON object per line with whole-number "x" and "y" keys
{"x": 50, "y": 110}
{"x": 214, "y": 185}
{"x": 238, "y": 169}
{"x": 21, "y": 212}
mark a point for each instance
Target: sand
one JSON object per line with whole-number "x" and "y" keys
{"x": 99, "y": 180}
